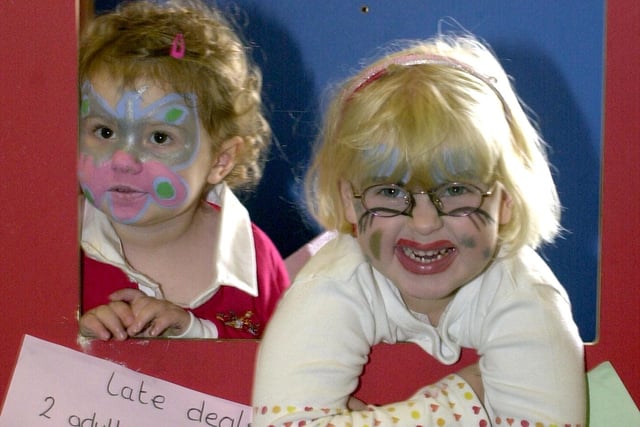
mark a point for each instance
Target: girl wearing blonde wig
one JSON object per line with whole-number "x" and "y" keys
{"x": 439, "y": 188}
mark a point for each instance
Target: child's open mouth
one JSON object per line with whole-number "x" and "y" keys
{"x": 426, "y": 256}
{"x": 425, "y": 259}
{"x": 125, "y": 190}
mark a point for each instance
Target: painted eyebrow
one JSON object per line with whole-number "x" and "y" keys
{"x": 99, "y": 117}
{"x": 386, "y": 179}
{"x": 164, "y": 126}
{"x": 149, "y": 120}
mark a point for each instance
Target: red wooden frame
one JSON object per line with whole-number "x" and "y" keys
{"x": 39, "y": 257}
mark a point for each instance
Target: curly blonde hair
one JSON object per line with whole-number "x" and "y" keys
{"x": 435, "y": 120}
{"x": 134, "y": 42}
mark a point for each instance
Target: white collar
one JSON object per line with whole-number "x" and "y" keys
{"x": 233, "y": 252}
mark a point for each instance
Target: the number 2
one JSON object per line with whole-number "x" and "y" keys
{"x": 51, "y": 401}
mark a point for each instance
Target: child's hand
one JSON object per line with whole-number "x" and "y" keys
{"x": 152, "y": 317}
{"x": 471, "y": 374}
{"x": 107, "y": 321}
{"x": 355, "y": 404}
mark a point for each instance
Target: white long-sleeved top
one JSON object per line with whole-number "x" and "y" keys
{"x": 516, "y": 315}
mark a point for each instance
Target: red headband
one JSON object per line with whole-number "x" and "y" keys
{"x": 380, "y": 70}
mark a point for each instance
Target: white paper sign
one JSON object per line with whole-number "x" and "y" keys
{"x": 53, "y": 386}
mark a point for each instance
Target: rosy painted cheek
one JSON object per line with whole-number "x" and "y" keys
{"x": 93, "y": 185}
{"x": 127, "y": 196}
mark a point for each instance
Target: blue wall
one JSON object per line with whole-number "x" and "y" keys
{"x": 553, "y": 49}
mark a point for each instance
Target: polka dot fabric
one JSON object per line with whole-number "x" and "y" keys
{"x": 448, "y": 403}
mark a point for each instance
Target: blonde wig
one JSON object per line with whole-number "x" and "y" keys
{"x": 439, "y": 110}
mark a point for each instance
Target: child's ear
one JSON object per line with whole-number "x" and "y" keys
{"x": 346, "y": 193}
{"x": 225, "y": 161}
{"x": 506, "y": 207}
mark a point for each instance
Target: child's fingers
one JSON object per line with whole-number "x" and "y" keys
{"x": 124, "y": 312}
{"x": 145, "y": 311}
{"x": 107, "y": 321}
{"x": 355, "y": 404}
{"x": 129, "y": 295}
{"x": 116, "y": 319}
{"x": 155, "y": 316}
{"x": 175, "y": 318}
{"x": 92, "y": 327}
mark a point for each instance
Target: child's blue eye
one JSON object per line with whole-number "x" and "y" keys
{"x": 455, "y": 190}
{"x": 391, "y": 192}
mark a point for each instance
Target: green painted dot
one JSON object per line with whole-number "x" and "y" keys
{"x": 173, "y": 115}
{"x": 88, "y": 195}
{"x": 165, "y": 190}
{"x": 84, "y": 107}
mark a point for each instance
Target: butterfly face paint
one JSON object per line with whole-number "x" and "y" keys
{"x": 131, "y": 153}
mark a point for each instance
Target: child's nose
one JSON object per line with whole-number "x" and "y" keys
{"x": 425, "y": 218}
{"x": 125, "y": 161}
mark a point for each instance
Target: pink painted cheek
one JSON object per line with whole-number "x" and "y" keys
{"x": 93, "y": 179}
{"x": 155, "y": 184}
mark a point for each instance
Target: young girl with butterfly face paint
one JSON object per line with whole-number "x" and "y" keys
{"x": 440, "y": 191}
{"x": 170, "y": 122}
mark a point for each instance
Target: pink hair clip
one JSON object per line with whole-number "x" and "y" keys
{"x": 178, "y": 47}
